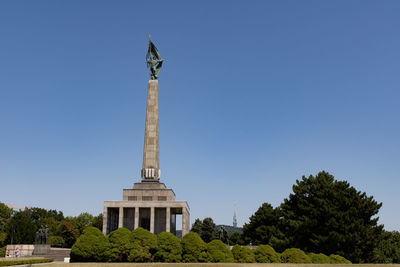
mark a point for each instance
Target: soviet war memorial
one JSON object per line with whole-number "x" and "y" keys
{"x": 149, "y": 204}
{"x": 251, "y": 133}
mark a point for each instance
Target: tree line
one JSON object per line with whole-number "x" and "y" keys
{"x": 20, "y": 227}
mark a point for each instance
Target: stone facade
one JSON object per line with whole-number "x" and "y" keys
{"x": 149, "y": 204}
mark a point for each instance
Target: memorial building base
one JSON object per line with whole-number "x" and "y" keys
{"x": 149, "y": 205}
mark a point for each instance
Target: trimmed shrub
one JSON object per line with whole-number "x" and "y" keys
{"x": 194, "y": 248}
{"x": 294, "y": 255}
{"x": 169, "y": 248}
{"x": 218, "y": 252}
{"x": 120, "y": 244}
{"x": 336, "y": 259}
{"x": 139, "y": 253}
{"x": 266, "y": 254}
{"x": 92, "y": 245}
{"x": 319, "y": 258}
{"x": 56, "y": 241}
{"x": 144, "y": 246}
{"x": 242, "y": 254}
{"x": 145, "y": 238}
{"x": 21, "y": 262}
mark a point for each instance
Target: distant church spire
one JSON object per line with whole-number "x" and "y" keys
{"x": 234, "y": 217}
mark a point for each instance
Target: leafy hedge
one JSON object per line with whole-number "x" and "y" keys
{"x": 169, "y": 248}
{"x": 92, "y": 245}
{"x": 122, "y": 245}
{"x": 243, "y": 254}
{"x": 194, "y": 249}
{"x": 218, "y": 252}
{"x": 319, "y": 258}
{"x": 266, "y": 254}
{"x": 144, "y": 245}
{"x": 336, "y": 259}
{"x": 294, "y": 255}
{"x": 21, "y": 262}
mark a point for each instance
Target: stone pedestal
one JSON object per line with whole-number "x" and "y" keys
{"x": 41, "y": 249}
{"x": 148, "y": 205}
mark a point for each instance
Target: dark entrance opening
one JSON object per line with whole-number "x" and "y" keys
{"x": 112, "y": 219}
{"x": 144, "y": 218}
{"x": 129, "y": 218}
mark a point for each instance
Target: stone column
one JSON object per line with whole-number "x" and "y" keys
{"x": 136, "y": 218}
{"x": 185, "y": 222}
{"x": 151, "y": 170}
{"x": 121, "y": 217}
{"x": 168, "y": 220}
{"x": 152, "y": 220}
{"x": 105, "y": 217}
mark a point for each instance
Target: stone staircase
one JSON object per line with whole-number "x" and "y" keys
{"x": 58, "y": 254}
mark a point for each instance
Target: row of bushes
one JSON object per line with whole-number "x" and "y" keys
{"x": 266, "y": 254}
{"x": 21, "y": 262}
{"x": 142, "y": 246}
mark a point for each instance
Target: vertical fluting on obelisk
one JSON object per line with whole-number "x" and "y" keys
{"x": 151, "y": 169}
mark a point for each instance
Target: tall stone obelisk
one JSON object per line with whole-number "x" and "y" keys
{"x": 151, "y": 166}
{"x": 149, "y": 204}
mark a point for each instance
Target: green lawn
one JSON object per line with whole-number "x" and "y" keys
{"x": 215, "y": 265}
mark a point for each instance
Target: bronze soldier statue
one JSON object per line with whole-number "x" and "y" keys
{"x": 154, "y": 60}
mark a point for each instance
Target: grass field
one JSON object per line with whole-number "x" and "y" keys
{"x": 215, "y": 265}
{"x": 23, "y": 258}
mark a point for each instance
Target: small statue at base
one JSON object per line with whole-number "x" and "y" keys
{"x": 42, "y": 235}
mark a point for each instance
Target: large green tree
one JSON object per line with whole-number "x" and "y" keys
{"x": 5, "y": 215}
{"x": 263, "y": 227}
{"x": 388, "y": 249}
{"x": 82, "y": 221}
{"x": 236, "y": 239}
{"x": 206, "y": 229}
{"x": 98, "y": 222}
{"x": 68, "y": 232}
{"x": 21, "y": 226}
{"x": 38, "y": 215}
{"x": 329, "y": 216}
{"x": 21, "y": 229}
{"x": 196, "y": 226}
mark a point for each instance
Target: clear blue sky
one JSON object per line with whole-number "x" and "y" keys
{"x": 253, "y": 95}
